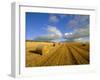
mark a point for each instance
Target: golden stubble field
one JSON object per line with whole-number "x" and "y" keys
{"x": 56, "y": 54}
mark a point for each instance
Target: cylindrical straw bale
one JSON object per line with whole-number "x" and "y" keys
{"x": 42, "y": 49}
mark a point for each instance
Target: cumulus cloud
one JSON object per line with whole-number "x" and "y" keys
{"x": 80, "y": 31}
{"x": 78, "y": 34}
{"x": 53, "y": 19}
{"x": 81, "y": 18}
{"x": 73, "y": 23}
{"x": 78, "y": 21}
{"x": 54, "y": 31}
{"x": 80, "y": 26}
{"x": 84, "y": 39}
{"x": 52, "y": 34}
{"x": 68, "y": 35}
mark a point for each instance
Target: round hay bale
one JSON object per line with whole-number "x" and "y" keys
{"x": 54, "y": 45}
{"x": 42, "y": 49}
{"x": 83, "y": 44}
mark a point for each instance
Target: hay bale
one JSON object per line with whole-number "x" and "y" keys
{"x": 56, "y": 44}
{"x": 59, "y": 43}
{"x": 53, "y": 44}
{"x": 42, "y": 49}
{"x": 83, "y": 44}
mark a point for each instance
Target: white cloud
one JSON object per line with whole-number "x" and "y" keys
{"x": 82, "y": 31}
{"x": 84, "y": 39}
{"x": 73, "y": 23}
{"x": 52, "y": 34}
{"x": 68, "y": 35}
{"x": 53, "y": 30}
{"x": 78, "y": 34}
{"x": 78, "y": 21}
{"x": 81, "y": 18}
{"x": 53, "y": 19}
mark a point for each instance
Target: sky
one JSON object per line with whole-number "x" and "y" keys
{"x": 57, "y": 27}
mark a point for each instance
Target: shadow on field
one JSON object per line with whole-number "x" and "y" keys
{"x": 35, "y": 52}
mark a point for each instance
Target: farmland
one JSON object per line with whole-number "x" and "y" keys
{"x": 56, "y": 54}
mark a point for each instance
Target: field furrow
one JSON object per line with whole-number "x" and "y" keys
{"x": 82, "y": 52}
{"x": 78, "y": 57}
{"x": 68, "y": 53}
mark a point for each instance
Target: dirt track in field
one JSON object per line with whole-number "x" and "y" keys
{"x": 61, "y": 54}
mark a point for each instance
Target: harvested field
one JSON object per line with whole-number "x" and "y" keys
{"x": 56, "y": 54}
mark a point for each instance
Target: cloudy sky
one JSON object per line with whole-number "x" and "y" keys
{"x": 57, "y": 27}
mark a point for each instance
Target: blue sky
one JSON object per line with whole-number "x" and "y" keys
{"x": 56, "y": 27}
